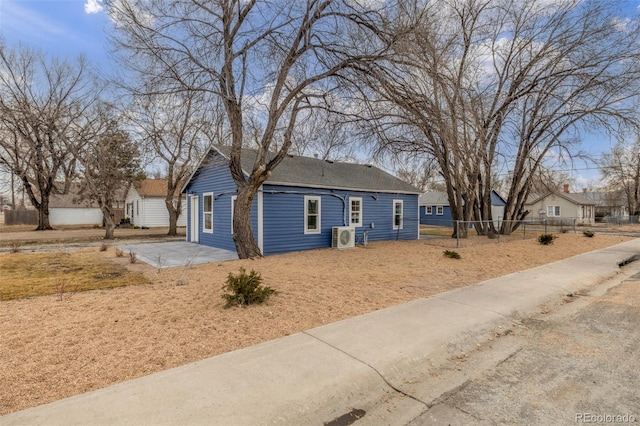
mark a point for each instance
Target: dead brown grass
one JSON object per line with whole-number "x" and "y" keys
{"x": 40, "y": 274}
{"x": 53, "y": 349}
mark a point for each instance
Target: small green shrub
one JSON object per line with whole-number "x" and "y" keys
{"x": 546, "y": 239}
{"x": 451, "y": 254}
{"x": 588, "y": 234}
{"x": 245, "y": 289}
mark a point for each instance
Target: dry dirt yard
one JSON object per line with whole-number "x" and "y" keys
{"x": 53, "y": 348}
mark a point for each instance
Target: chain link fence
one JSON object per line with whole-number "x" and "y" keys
{"x": 451, "y": 234}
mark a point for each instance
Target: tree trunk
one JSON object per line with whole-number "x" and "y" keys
{"x": 43, "y": 215}
{"x": 246, "y": 245}
{"x": 109, "y": 225}
{"x": 174, "y": 214}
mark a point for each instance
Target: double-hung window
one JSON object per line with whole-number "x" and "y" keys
{"x": 553, "y": 211}
{"x": 355, "y": 211}
{"x": 311, "y": 215}
{"x": 439, "y": 210}
{"x": 397, "y": 214}
{"x": 429, "y": 210}
{"x": 207, "y": 212}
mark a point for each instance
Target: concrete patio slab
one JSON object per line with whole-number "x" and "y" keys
{"x": 177, "y": 253}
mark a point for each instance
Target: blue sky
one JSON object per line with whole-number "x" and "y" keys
{"x": 64, "y": 28}
{"x": 68, "y": 28}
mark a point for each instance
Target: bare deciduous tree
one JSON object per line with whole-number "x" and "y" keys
{"x": 42, "y": 101}
{"x": 491, "y": 81}
{"x": 279, "y": 57}
{"x": 175, "y": 128}
{"x": 621, "y": 170}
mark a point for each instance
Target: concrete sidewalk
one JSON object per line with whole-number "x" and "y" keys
{"x": 325, "y": 373}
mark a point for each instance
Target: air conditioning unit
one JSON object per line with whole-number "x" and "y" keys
{"x": 343, "y": 237}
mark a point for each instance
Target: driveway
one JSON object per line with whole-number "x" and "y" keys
{"x": 177, "y": 253}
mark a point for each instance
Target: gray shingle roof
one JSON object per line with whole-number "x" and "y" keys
{"x": 434, "y": 199}
{"x": 313, "y": 172}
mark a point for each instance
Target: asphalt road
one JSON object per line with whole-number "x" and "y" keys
{"x": 576, "y": 361}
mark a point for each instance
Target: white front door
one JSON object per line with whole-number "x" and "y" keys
{"x": 193, "y": 222}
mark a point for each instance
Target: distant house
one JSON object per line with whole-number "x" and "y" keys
{"x": 562, "y": 206}
{"x": 145, "y": 206}
{"x": 305, "y": 204}
{"x": 609, "y": 205}
{"x": 73, "y": 209}
{"x": 435, "y": 209}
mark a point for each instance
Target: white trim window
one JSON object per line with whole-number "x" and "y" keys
{"x": 207, "y": 212}
{"x": 553, "y": 211}
{"x": 355, "y": 211}
{"x": 398, "y": 206}
{"x": 233, "y": 209}
{"x": 429, "y": 210}
{"x": 312, "y": 215}
{"x": 440, "y": 210}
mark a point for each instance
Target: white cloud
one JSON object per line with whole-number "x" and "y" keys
{"x": 622, "y": 24}
{"x": 93, "y": 6}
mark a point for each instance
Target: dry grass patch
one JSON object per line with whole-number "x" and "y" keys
{"x": 442, "y": 231}
{"x": 40, "y": 274}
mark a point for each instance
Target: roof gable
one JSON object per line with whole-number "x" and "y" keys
{"x": 578, "y": 199}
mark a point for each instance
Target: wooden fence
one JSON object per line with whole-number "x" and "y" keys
{"x": 20, "y": 217}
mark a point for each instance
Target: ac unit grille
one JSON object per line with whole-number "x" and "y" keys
{"x": 343, "y": 237}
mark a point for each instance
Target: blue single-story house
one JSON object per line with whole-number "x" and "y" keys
{"x": 301, "y": 203}
{"x": 435, "y": 209}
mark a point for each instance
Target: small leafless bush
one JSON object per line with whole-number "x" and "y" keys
{"x": 184, "y": 278}
{"x": 119, "y": 253}
{"x": 62, "y": 292}
{"x": 104, "y": 247}
{"x": 132, "y": 257}
{"x": 15, "y": 246}
{"x": 160, "y": 263}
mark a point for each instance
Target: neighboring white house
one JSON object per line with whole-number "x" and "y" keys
{"x": 71, "y": 209}
{"x": 562, "y": 206}
{"x": 144, "y": 204}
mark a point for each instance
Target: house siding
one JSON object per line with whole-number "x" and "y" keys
{"x": 434, "y": 219}
{"x": 150, "y": 212}
{"x": 283, "y": 209}
{"x": 568, "y": 210}
{"x": 215, "y": 176}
